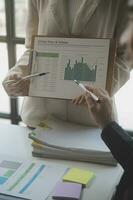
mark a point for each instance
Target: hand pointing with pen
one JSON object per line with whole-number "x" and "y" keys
{"x": 102, "y": 110}
{"x": 18, "y": 85}
{"x": 15, "y": 85}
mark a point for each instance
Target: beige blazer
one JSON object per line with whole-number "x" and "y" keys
{"x": 94, "y": 18}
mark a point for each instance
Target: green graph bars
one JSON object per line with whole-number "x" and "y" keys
{"x": 80, "y": 71}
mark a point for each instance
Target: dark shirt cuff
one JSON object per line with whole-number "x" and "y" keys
{"x": 119, "y": 143}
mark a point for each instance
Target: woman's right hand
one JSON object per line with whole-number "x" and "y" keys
{"x": 17, "y": 87}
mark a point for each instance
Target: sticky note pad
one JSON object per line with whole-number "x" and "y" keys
{"x": 65, "y": 190}
{"x": 78, "y": 176}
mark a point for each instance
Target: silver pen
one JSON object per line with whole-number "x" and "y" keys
{"x": 94, "y": 97}
{"x": 28, "y": 77}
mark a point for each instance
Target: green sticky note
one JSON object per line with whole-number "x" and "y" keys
{"x": 77, "y": 175}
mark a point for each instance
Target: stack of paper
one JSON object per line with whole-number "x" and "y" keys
{"x": 62, "y": 140}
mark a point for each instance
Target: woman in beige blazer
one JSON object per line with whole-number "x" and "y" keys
{"x": 68, "y": 18}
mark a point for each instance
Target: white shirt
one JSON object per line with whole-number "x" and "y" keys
{"x": 87, "y": 18}
{"x": 72, "y": 7}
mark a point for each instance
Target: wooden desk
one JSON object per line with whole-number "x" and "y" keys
{"x": 14, "y": 141}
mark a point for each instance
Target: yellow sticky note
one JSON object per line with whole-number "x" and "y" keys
{"x": 77, "y": 175}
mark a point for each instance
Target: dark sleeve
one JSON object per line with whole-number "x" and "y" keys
{"x": 120, "y": 144}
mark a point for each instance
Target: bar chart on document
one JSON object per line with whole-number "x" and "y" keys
{"x": 26, "y": 179}
{"x": 66, "y": 61}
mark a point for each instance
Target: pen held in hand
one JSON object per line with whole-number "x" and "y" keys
{"x": 34, "y": 75}
{"x": 94, "y": 97}
{"x": 27, "y": 77}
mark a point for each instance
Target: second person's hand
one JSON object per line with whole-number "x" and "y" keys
{"x": 101, "y": 111}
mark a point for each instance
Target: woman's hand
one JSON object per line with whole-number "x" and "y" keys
{"x": 17, "y": 87}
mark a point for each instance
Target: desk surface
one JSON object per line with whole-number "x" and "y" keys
{"x": 14, "y": 141}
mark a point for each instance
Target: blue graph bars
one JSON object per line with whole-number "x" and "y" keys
{"x": 80, "y": 71}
